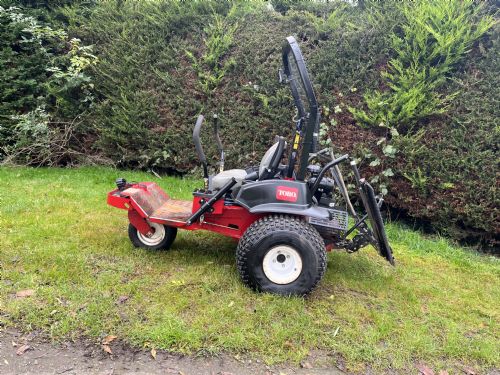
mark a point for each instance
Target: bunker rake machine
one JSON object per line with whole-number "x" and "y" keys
{"x": 285, "y": 214}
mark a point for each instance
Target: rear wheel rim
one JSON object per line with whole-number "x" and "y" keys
{"x": 282, "y": 264}
{"x": 156, "y": 238}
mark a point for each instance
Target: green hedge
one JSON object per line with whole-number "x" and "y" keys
{"x": 161, "y": 63}
{"x": 450, "y": 174}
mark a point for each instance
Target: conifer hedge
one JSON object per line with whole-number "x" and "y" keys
{"x": 409, "y": 88}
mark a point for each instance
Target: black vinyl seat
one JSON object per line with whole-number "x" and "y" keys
{"x": 268, "y": 164}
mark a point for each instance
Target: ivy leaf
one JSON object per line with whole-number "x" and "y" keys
{"x": 394, "y": 132}
{"x": 337, "y": 109}
{"x": 388, "y": 172}
{"x": 375, "y": 162}
{"x": 383, "y": 189}
{"x": 389, "y": 150}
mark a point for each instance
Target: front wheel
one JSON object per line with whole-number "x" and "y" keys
{"x": 162, "y": 238}
{"x": 281, "y": 254}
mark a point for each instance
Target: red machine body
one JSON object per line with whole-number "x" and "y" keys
{"x": 146, "y": 202}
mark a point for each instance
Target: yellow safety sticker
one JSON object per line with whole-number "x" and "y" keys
{"x": 296, "y": 141}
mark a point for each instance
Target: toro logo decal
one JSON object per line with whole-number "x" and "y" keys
{"x": 285, "y": 193}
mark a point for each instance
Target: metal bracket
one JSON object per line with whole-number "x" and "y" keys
{"x": 283, "y": 78}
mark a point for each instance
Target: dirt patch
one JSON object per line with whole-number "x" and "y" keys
{"x": 33, "y": 354}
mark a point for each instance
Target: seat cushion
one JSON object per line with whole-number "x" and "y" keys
{"x": 223, "y": 178}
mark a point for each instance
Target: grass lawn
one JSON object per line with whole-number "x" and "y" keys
{"x": 439, "y": 306}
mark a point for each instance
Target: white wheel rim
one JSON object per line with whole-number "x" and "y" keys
{"x": 282, "y": 264}
{"x": 156, "y": 238}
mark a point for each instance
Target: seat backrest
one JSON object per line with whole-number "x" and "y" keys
{"x": 271, "y": 157}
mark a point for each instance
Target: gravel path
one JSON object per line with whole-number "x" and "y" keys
{"x": 33, "y": 354}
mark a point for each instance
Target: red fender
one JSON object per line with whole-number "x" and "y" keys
{"x": 139, "y": 223}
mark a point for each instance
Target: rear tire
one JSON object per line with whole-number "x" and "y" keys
{"x": 162, "y": 238}
{"x": 281, "y": 254}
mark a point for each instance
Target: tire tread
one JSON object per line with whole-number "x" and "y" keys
{"x": 278, "y": 222}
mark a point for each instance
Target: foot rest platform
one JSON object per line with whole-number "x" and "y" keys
{"x": 156, "y": 204}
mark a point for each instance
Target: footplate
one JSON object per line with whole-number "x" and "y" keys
{"x": 379, "y": 239}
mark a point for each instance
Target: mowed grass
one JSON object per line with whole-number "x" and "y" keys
{"x": 439, "y": 306}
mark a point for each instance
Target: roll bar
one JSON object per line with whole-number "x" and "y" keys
{"x": 308, "y": 121}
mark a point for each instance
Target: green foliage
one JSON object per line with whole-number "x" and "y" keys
{"x": 22, "y": 69}
{"x": 43, "y": 78}
{"x": 211, "y": 66}
{"x": 417, "y": 179}
{"x": 454, "y": 166}
{"x": 148, "y": 94}
{"x": 134, "y": 97}
{"x": 434, "y": 37}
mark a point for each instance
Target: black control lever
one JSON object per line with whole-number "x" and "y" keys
{"x": 199, "y": 148}
{"x": 208, "y": 204}
{"x": 218, "y": 142}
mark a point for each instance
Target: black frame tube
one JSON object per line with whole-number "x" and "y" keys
{"x": 357, "y": 224}
{"x": 310, "y": 119}
{"x": 208, "y": 204}
{"x": 325, "y": 169}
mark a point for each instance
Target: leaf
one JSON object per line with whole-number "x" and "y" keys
{"x": 336, "y": 331}
{"x": 108, "y": 339}
{"x": 425, "y": 370}
{"x": 306, "y": 365}
{"x": 375, "y": 162}
{"x": 383, "y": 189}
{"x": 25, "y": 293}
{"x": 107, "y": 349}
{"x": 388, "y": 172}
{"x": 153, "y": 353}
{"x": 22, "y": 349}
{"x": 389, "y": 150}
{"x": 230, "y": 304}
